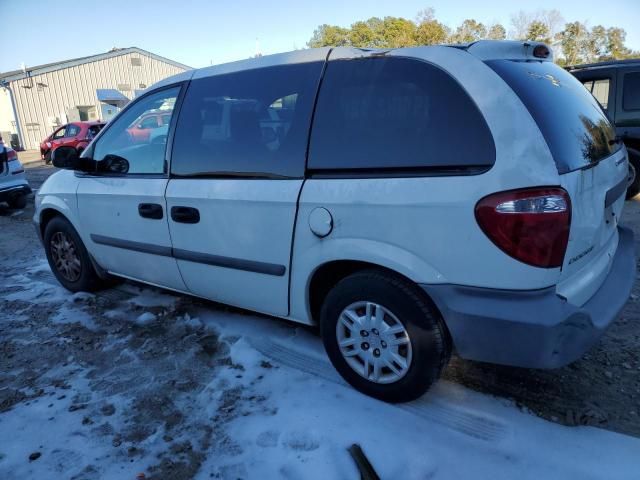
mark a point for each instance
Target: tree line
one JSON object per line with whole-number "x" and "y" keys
{"x": 573, "y": 42}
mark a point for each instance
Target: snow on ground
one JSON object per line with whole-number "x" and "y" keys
{"x": 135, "y": 380}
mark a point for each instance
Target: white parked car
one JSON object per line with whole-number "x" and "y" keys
{"x": 409, "y": 202}
{"x": 14, "y": 187}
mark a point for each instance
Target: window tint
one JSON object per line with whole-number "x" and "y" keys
{"x": 249, "y": 122}
{"x": 631, "y": 91}
{"x": 600, "y": 90}
{"x": 144, "y": 149}
{"x": 576, "y": 129}
{"x": 72, "y": 131}
{"x": 396, "y": 113}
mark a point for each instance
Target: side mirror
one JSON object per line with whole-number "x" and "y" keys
{"x": 65, "y": 158}
{"x": 113, "y": 164}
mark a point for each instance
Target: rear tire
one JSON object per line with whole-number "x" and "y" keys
{"x": 68, "y": 257}
{"x": 407, "y": 340}
{"x": 18, "y": 202}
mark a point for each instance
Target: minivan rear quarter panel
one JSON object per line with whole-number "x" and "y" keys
{"x": 424, "y": 227}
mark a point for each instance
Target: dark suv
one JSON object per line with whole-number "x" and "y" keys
{"x": 616, "y": 86}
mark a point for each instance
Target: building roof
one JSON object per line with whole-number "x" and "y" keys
{"x": 50, "y": 67}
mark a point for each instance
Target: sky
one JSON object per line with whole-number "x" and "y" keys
{"x": 200, "y": 32}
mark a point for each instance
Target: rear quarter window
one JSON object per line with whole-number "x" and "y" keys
{"x": 396, "y": 113}
{"x": 571, "y": 120}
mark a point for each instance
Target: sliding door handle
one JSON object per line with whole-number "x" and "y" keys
{"x": 150, "y": 210}
{"x": 185, "y": 214}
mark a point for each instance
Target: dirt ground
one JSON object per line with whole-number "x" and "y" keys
{"x": 40, "y": 350}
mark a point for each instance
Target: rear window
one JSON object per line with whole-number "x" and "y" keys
{"x": 396, "y": 113}
{"x": 574, "y": 125}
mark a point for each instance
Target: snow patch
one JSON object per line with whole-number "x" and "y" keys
{"x": 145, "y": 319}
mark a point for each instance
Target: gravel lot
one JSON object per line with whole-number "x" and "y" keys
{"x": 41, "y": 350}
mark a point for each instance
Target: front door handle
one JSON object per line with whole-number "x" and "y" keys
{"x": 150, "y": 210}
{"x": 185, "y": 214}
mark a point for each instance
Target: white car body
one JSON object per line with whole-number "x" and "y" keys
{"x": 421, "y": 227}
{"x": 13, "y": 182}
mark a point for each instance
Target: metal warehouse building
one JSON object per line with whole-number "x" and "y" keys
{"x": 36, "y": 100}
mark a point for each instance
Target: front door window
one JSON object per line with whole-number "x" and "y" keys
{"x": 144, "y": 152}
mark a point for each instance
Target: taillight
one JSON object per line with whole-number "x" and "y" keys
{"x": 531, "y": 224}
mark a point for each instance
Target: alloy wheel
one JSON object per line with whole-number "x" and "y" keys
{"x": 65, "y": 256}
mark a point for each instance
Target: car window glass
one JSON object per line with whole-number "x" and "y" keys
{"x": 631, "y": 91}
{"x": 382, "y": 113}
{"x": 59, "y": 133}
{"x": 572, "y": 122}
{"x": 93, "y": 131}
{"x": 143, "y": 149}
{"x": 600, "y": 90}
{"x": 149, "y": 122}
{"x": 72, "y": 131}
{"x": 250, "y": 122}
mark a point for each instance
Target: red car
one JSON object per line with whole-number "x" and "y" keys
{"x": 74, "y": 134}
{"x": 149, "y": 126}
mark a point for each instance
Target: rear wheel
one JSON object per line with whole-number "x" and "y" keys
{"x": 384, "y": 336}
{"x": 68, "y": 257}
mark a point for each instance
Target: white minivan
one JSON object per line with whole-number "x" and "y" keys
{"x": 408, "y": 202}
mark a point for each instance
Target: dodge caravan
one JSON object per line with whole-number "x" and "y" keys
{"x": 408, "y": 202}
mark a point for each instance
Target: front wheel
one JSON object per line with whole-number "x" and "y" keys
{"x": 384, "y": 336}
{"x": 68, "y": 257}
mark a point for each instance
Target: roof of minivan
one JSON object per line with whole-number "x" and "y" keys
{"x": 482, "y": 49}
{"x": 608, "y": 64}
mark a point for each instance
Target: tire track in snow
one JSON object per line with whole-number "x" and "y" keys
{"x": 476, "y": 425}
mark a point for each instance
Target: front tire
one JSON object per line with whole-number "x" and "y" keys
{"x": 68, "y": 257}
{"x": 384, "y": 336}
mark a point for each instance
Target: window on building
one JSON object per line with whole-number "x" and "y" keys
{"x": 143, "y": 148}
{"x": 631, "y": 91}
{"x": 252, "y": 122}
{"x": 391, "y": 112}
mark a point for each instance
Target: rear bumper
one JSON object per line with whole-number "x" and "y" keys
{"x": 13, "y": 191}
{"x": 538, "y": 328}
